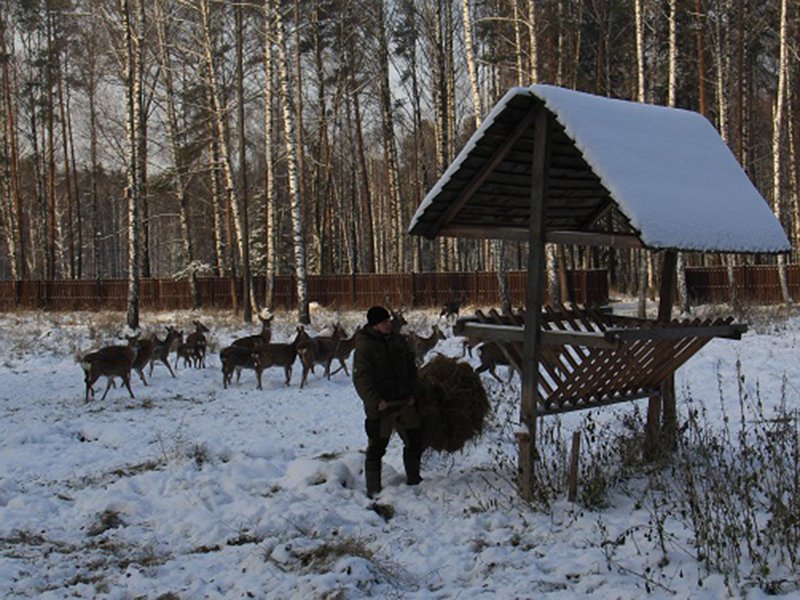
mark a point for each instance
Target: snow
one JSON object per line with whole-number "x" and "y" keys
{"x": 201, "y": 492}
{"x": 668, "y": 170}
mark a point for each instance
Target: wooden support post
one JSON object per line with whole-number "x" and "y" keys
{"x": 669, "y": 418}
{"x": 573, "y": 466}
{"x": 533, "y": 302}
{"x": 652, "y": 432}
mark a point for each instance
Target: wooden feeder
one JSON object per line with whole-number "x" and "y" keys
{"x": 559, "y": 166}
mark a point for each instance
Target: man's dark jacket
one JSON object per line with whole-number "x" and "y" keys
{"x": 384, "y": 369}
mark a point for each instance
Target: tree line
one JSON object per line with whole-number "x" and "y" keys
{"x": 183, "y": 138}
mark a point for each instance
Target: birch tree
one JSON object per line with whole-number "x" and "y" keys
{"x": 672, "y": 87}
{"x": 248, "y": 299}
{"x": 777, "y": 148}
{"x": 271, "y": 209}
{"x": 640, "y": 97}
{"x": 132, "y": 162}
{"x": 287, "y": 109}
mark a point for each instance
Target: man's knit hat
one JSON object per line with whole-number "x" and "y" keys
{"x": 377, "y": 314}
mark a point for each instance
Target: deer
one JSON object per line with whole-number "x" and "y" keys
{"x": 193, "y": 350}
{"x": 343, "y": 352}
{"x": 492, "y": 355}
{"x": 144, "y": 353}
{"x": 451, "y": 309}
{"x": 162, "y": 348}
{"x": 420, "y": 346}
{"x": 279, "y": 355}
{"x": 109, "y": 362}
{"x": 251, "y": 341}
{"x": 319, "y": 350}
{"x": 468, "y": 344}
{"x": 236, "y": 358}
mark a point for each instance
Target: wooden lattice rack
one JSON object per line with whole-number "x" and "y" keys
{"x": 591, "y": 358}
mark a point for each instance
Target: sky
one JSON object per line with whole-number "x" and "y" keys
{"x": 194, "y": 491}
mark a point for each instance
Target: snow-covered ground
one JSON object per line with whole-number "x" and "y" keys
{"x": 193, "y": 491}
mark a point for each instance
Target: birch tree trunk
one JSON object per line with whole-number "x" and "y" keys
{"x": 721, "y": 59}
{"x": 390, "y": 146}
{"x": 671, "y": 99}
{"x": 294, "y": 187}
{"x": 271, "y": 209}
{"x": 777, "y": 130}
{"x": 473, "y": 73}
{"x": 132, "y": 146}
{"x": 701, "y": 51}
{"x": 248, "y": 300}
{"x": 640, "y": 71}
{"x": 19, "y": 262}
{"x": 52, "y": 213}
{"x": 70, "y": 225}
{"x": 533, "y": 42}
{"x": 141, "y": 138}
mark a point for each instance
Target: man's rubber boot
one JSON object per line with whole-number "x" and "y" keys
{"x": 411, "y": 461}
{"x": 372, "y": 471}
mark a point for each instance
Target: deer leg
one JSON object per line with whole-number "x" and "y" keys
{"x": 126, "y": 379}
{"x": 165, "y": 360}
{"x": 288, "y": 370}
{"x": 108, "y": 387}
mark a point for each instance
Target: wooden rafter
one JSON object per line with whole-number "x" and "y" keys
{"x": 498, "y": 156}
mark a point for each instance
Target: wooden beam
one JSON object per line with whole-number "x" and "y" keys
{"x": 668, "y": 427}
{"x": 733, "y": 331}
{"x": 485, "y": 171}
{"x": 520, "y": 234}
{"x": 534, "y": 301}
{"x": 512, "y": 333}
{"x": 585, "y": 238}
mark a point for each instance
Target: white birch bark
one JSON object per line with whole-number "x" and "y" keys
{"x": 777, "y": 130}
{"x": 640, "y": 71}
{"x": 532, "y": 39}
{"x": 294, "y": 185}
{"x": 517, "y": 42}
{"x": 473, "y": 74}
{"x": 721, "y": 60}
{"x": 683, "y": 292}
{"x": 270, "y": 229}
{"x": 131, "y": 158}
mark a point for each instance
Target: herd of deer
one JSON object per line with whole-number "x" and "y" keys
{"x": 258, "y": 353}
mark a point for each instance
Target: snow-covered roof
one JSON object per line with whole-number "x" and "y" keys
{"x": 662, "y": 175}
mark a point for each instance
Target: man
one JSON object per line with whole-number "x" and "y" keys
{"x": 385, "y": 376}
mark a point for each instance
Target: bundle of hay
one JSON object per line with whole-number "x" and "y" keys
{"x": 454, "y": 404}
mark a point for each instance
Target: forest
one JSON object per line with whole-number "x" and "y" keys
{"x": 195, "y": 138}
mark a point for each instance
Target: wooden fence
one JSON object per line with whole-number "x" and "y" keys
{"x": 758, "y": 284}
{"x": 414, "y": 290}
